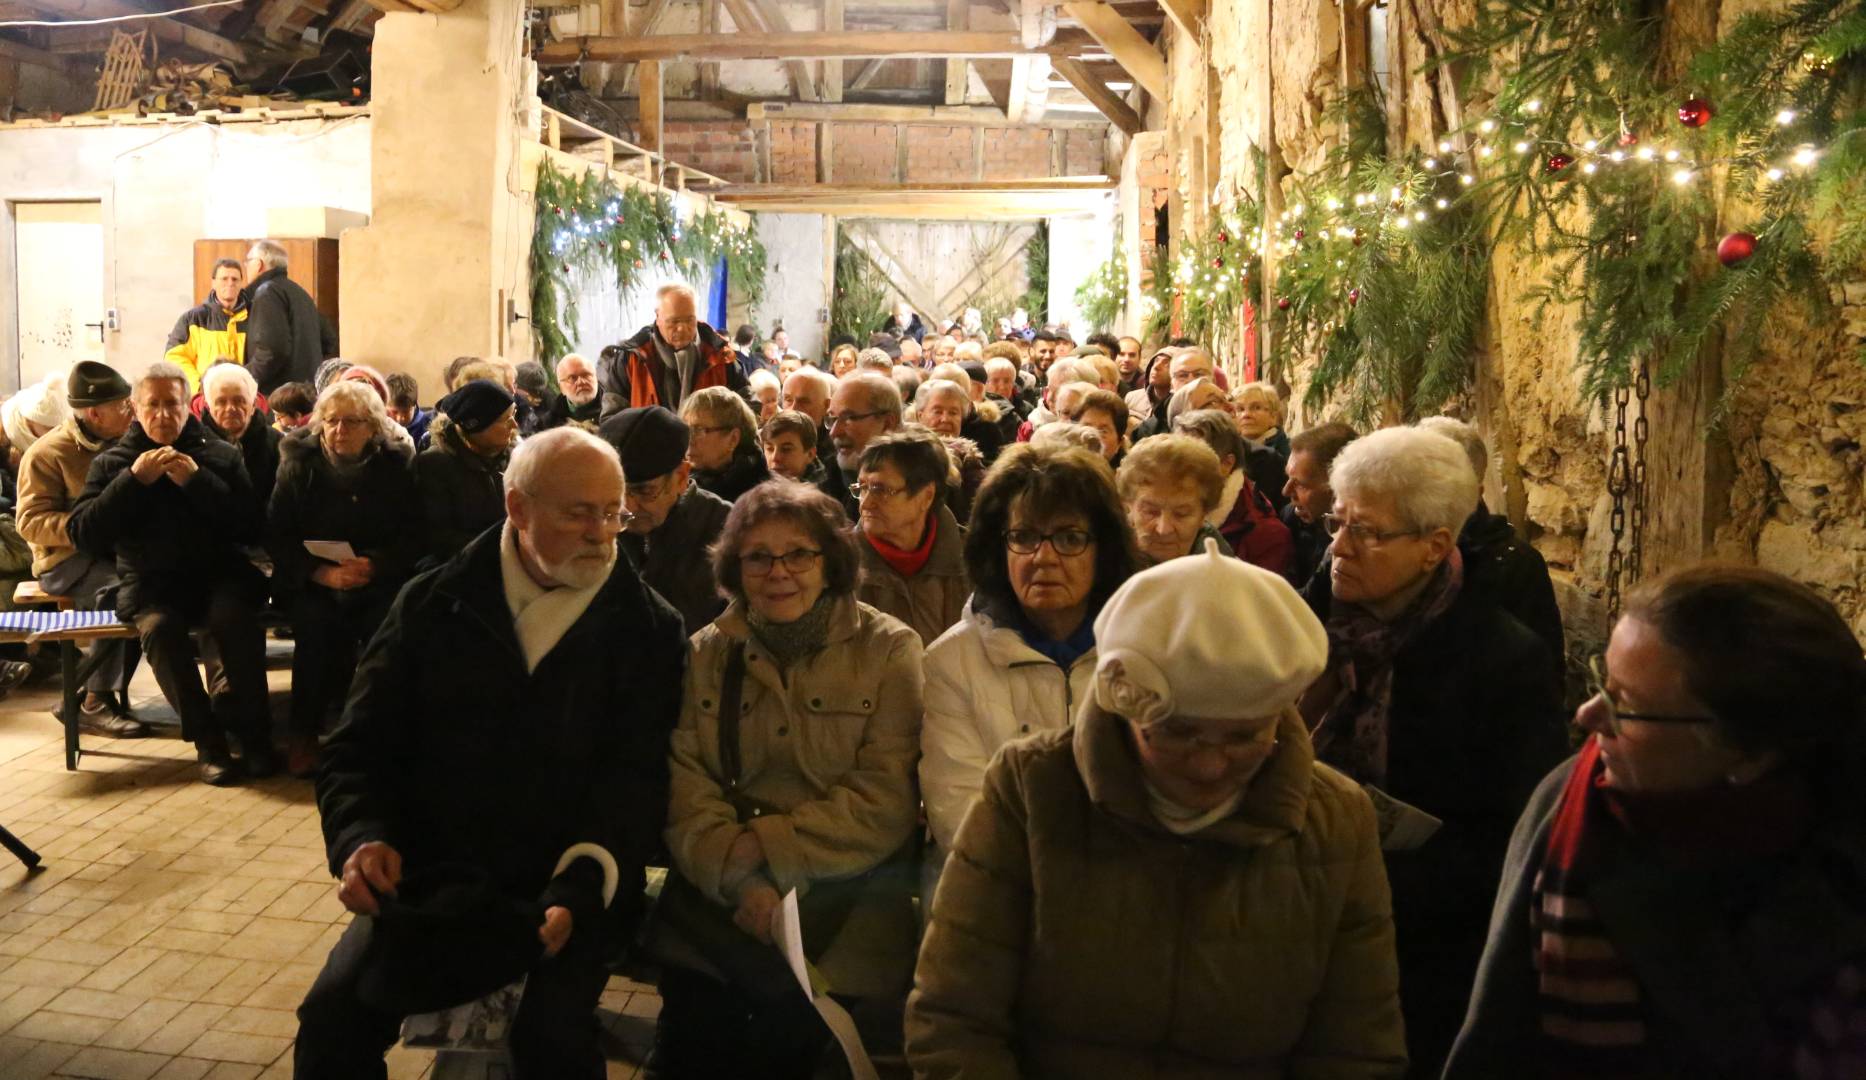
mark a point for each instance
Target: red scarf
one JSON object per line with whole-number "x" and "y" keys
{"x": 906, "y": 563}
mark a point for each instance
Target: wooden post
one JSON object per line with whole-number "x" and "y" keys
{"x": 957, "y": 14}
{"x": 1118, "y": 36}
{"x": 825, "y": 151}
{"x": 649, "y": 72}
{"x": 1272, "y": 201}
{"x": 832, "y": 67}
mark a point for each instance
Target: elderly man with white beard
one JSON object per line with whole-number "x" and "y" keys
{"x": 510, "y": 717}
{"x": 580, "y": 401}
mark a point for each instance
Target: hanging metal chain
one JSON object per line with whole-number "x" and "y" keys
{"x": 1619, "y": 484}
{"x": 1626, "y": 482}
{"x": 1635, "y": 553}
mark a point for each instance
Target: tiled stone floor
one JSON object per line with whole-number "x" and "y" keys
{"x": 174, "y": 927}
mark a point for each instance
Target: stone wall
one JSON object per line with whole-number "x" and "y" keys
{"x": 1777, "y": 482}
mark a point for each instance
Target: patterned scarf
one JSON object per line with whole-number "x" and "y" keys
{"x": 1352, "y": 735}
{"x": 789, "y": 642}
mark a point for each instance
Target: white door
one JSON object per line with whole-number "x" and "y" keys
{"x": 60, "y": 248}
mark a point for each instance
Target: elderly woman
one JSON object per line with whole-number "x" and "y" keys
{"x": 1172, "y": 886}
{"x": 341, "y": 479}
{"x": 461, "y": 475}
{"x": 1683, "y": 897}
{"x": 766, "y": 390}
{"x": 1434, "y": 696}
{"x": 842, "y": 360}
{"x": 232, "y": 414}
{"x": 1049, "y": 543}
{"x": 1170, "y": 484}
{"x": 1259, "y": 411}
{"x": 980, "y": 419}
{"x": 727, "y": 459}
{"x": 1155, "y": 387}
{"x": 792, "y": 768}
{"x": 1104, "y": 411}
{"x": 1244, "y": 516}
{"x": 913, "y": 561}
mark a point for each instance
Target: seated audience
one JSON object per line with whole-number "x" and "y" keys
{"x": 1172, "y": 885}
{"x": 175, "y": 507}
{"x": 723, "y": 446}
{"x": 792, "y": 769}
{"x": 979, "y": 421}
{"x": 789, "y": 440}
{"x": 291, "y": 406}
{"x": 405, "y": 408}
{"x": 233, "y": 416}
{"x": 1049, "y": 544}
{"x": 911, "y": 544}
{"x": 499, "y": 780}
{"x": 1244, "y": 517}
{"x": 1499, "y": 564}
{"x": 1001, "y": 388}
{"x": 30, "y": 415}
{"x": 765, "y": 393}
{"x": 865, "y": 407}
{"x": 1682, "y": 898}
{"x": 580, "y": 401}
{"x": 536, "y": 401}
{"x": 1170, "y": 483}
{"x": 1104, "y": 411}
{"x": 461, "y": 476}
{"x": 51, "y": 477}
{"x": 941, "y": 406}
{"x": 672, "y": 520}
{"x": 1060, "y": 374}
{"x": 1069, "y": 433}
{"x": 809, "y": 391}
{"x": 1311, "y": 452}
{"x": 343, "y": 479}
{"x": 1435, "y": 697}
{"x": 333, "y": 368}
{"x": 876, "y": 360}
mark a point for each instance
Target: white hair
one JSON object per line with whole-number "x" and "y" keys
{"x": 567, "y": 358}
{"x": 270, "y": 253}
{"x": 764, "y": 377}
{"x": 1068, "y": 433}
{"x": 968, "y": 350}
{"x": 876, "y": 360}
{"x": 353, "y": 392}
{"x": 221, "y": 373}
{"x": 999, "y": 363}
{"x": 1464, "y": 435}
{"x": 534, "y": 455}
{"x": 821, "y": 378}
{"x": 884, "y": 395}
{"x": 162, "y": 371}
{"x": 1424, "y": 475}
{"x": 1068, "y": 370}
{"x": 673, "y": 288}
{"x": 941, "y": 386}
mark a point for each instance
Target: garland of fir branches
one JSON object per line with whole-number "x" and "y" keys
{"x": 587, "y": 222}
{"x": 1102, "y": 297}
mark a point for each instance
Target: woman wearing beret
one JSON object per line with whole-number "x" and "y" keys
{"x": 1684, "y": 897}
{"x": 1173, "y": 886}
{"x": 461, "y": 476}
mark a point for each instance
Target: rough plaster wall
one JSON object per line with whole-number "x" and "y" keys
{"x": 796, "y": 288}
{"x": 163, "y": 188}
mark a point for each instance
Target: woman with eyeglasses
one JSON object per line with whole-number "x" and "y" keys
{"x": 1684, "y": 896}
{"x": 342, "y": 479}
{"x": 792, "y": 768}
{"x": 723, "y": 443}
{"x": 1048, "y": 545}
{"x": 1172, "y": 885}
{"x": 1433, "y": 696}
{"x": 912, "y": 546}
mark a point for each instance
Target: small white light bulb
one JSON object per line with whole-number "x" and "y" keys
{"x": 1522, "y": 147}
{"x": 1534, "y": 105}
{"x": 1682, "y": 177}
{"x": 1774, "y": 175}
{"x": 1806, "y": 156}
{"x": 1785, "y": 117}
{"x": 1487, "y": 126}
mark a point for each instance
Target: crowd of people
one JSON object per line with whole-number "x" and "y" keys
{"x": 1101, "y": 726}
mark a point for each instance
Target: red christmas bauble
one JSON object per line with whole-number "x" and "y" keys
{"x": 565, "y": 267}
{"x": 1695, "y": 113}
{"x": 1300, "y": 234}
{"x": 1627, "y": 138}
{"x": 1736, "y": 248}
{"x": 1558, "y": 162}
{"x": 1218, "y": 262}
{"x": 1282, "y": 303}
{"x": 1224, "y": 238}
{"x": 1358, "y": 238}
{"x": 638, "y": 264}
{"x": 558, "y": 210}
{"x": 1354, "y": 297}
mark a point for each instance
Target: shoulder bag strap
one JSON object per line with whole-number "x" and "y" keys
{"x": 730, "y": 693}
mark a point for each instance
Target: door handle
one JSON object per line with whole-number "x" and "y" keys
{"x": 100, "y": 329}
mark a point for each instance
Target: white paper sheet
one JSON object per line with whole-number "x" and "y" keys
{"x": 1403, "y": 826}
{"x": 788, "y": 934}
{"x": 330, "y": 550}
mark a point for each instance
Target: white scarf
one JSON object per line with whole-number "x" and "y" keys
{"x": 1234, "y": 486}
{"x": 1184, "y": 820}
{"x": 543, "y": 616}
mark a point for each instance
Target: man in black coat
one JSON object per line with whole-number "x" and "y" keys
{"x": 175, "y": 506}
{"x": 233, "y": 415}
{"x": 675, "y": 520}
{"x": 516, "y": 702}
{"x": 286, "y": 336}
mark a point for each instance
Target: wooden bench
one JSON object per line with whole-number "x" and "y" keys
{"x": 74, "y": 666}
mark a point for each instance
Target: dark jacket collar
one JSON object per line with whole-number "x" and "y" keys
{"x": 708, "y": 340}
{"x": 193, "y": 437}
{"x": 304, "y": 445}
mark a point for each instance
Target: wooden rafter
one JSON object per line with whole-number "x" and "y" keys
{"x": 863, "y": 113}
{"x": 656, "y": 8}
{"x": 866, "y": 74}
{"x": 799, "y": 46}
{"x": 1187, "y": 15}
{"x": 1106, "y": 101}
{"x": 1118, "y": 36}
{"x": 26, "y": 54}
{"x": 957, "y": 16}
{"x": 763, "y": 16}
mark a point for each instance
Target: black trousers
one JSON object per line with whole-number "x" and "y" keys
{"x": 329, "y": 631}
{"x": 228, "y": 612}
{"x": 554, "y": 1037}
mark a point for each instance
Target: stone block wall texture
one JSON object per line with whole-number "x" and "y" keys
{"x": 1778, "y": 483}
{"x": 936, "y": 154}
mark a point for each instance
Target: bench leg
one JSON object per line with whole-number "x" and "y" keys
{"x": 68, "y": 665}
{"x": 19, "y": 849}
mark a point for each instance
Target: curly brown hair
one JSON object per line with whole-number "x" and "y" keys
{"x": 803, "y": 506}
{"x": 1048, "y": 481}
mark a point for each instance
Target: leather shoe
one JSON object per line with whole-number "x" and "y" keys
{"x": 218, "y": 772}
{"x": 105, "y": 722}
{"x": 260, "y": 765}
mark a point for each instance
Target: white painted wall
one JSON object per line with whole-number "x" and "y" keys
{"x": 162, "y": 188}
{"x": 1078, "y": 245}
{"x": 796, "y": 290}
{"x": 605, "y": 316}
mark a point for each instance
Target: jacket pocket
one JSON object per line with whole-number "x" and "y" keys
{"x": 835, "y": 721}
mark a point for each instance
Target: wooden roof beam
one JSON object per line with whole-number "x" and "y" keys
{"x": 796, "y": 45}
{"x": 763, "y": 17}
{"x": 26, "y": 54}
{"x": 864, "y": 113}
{"x": 1106, "y": 101}
{"x": 171, "y": 31}
{"x": 1187, "y": 15}
{"x": 1133, "y": 52}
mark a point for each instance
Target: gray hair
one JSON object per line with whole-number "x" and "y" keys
{"x": 674, "y": 287}
{"x": 1068, "y": 433}
{"x": 724, "y": 406}
{"x": 534, "y": 455}
{"x": 968, "y": 350}
{"x": 567, "y": 358}
{"x": 1464, "y": 435}
{"x": 764, "y": 376}
{"x": 1067, "y": 370}
{"x": 162, "y": 371}
{"x": 355, "y": 393}
{"x": 221, "y": 373}
{"x": 270, "y": 253}
{"x": 999, "y": 363}
{"x": 942, "y": 386}
{"x": 328, "y": 371}
{"x": 1424, "y": 475}
{"x": 875, "y": 360}
{"x": 1215, "y": 429}
{"x": 883, "y": 394}
{"x": 817, "y": 375}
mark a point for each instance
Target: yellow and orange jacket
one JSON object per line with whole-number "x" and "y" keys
{"x": 206, "y": 333}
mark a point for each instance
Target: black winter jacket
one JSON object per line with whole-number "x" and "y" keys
{"x": 375, "y": 509}
{"x": 169, "y": 541}
{"x": 1507, "y": 569}
{"x": 259, "y": 452}
{"x": 462, "y": 493}
{"x": 673, "y": 559}
{"x": 286, "y": 336}
{"x": 449, "y": 750}
{"x": 743, "y": 473}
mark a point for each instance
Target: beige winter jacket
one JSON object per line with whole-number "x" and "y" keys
{"x": 51, "y": 476}
{"x": 933, "y": 599}
{"x": 1074, "y": 936}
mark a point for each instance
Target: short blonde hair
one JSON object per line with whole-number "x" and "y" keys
{"x": 351, "y": 392}
{"x": 721, "y": 406}
{"x": 490, "y": 370}
{"x": 1261, "y": 392}
{"x": 1172, "y": 459}
{"x": 1107, "y": 371}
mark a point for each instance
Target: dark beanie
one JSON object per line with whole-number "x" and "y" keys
{"x": 476, "y": 406}
{"x": 92, "y": 383}
{"x": 975, "y": 370}
{"x": 651, "y": 440}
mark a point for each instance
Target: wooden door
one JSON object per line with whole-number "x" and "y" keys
{"x": 312, "y": 263}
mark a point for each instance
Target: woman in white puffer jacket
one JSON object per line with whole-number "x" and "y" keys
{"x": 1048, "y": 544}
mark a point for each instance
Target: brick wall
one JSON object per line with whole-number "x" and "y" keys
{"x": 939, "y": 154}
{"x": 1016, "y": 153}
{"x": 727, "y": 149}
{"x": 863, "y": 153}
{"x": 1082, "y": 151}
{"x": 793, "y": 153}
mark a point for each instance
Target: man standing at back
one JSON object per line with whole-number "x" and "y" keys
{"x": 214, "y": 328}
{"x": 664, "y": 363}
{"x": 286, "y": 336}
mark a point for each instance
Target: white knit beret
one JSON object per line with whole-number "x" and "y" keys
{"x": 1206, "y": 635}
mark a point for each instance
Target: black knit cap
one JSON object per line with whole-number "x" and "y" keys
{"x": 975, "y": 370}
{"x": 651, "y": 440}
{"x": 91, "y": 383}
{"x": 476, "y": 406}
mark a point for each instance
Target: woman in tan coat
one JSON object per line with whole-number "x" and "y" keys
{"x": 1172, "y": 887}
{"x": 792, "y": 768}
{"x": 913, "y": 549}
